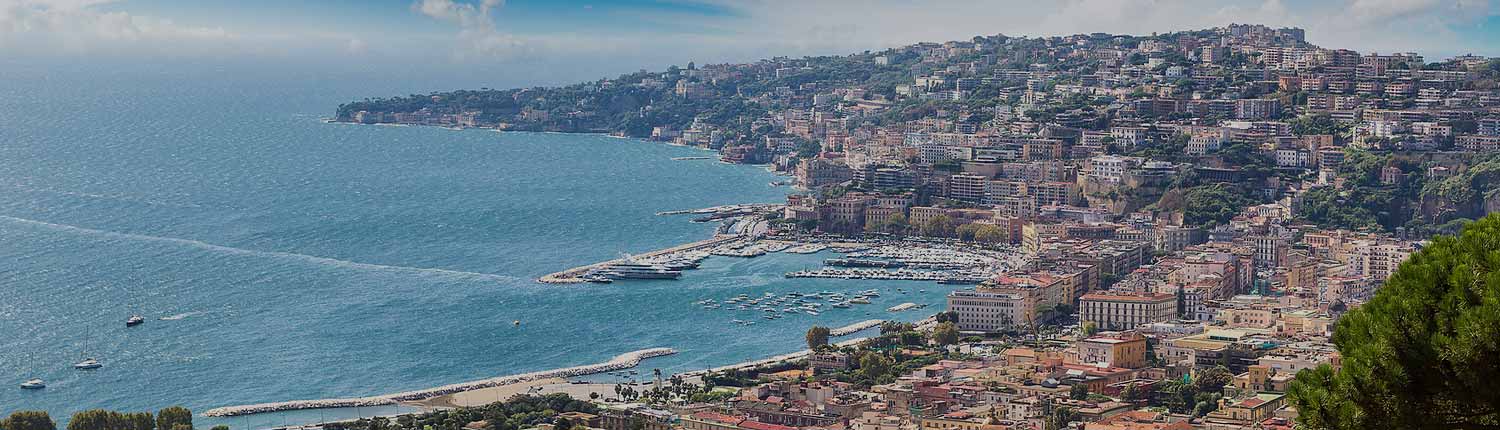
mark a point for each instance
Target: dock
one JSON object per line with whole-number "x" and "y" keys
{"x": 575, "y": 275}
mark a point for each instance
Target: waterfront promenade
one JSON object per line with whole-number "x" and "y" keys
{"x": 622, "y": 361}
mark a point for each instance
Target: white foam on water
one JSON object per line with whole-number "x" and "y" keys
{"x": 271, "y": 254}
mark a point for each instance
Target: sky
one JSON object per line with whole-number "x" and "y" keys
{"x": 555, "y": 41}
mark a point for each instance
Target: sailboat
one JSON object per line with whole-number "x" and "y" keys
{"x": 34, "y": 384}
{"x": 88, "y": 363}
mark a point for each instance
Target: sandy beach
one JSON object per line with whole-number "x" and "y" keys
{"x": 485, "y": 395}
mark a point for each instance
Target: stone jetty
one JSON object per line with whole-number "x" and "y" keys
{"x": 575, "y": 275}
{"x": 854, "y": 328}
{"x": 622, "y": 361}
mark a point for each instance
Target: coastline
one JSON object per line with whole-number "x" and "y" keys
{"x": 622, "y": 361}
{"x": 547, "y": 381}
{"x": 486, "y": 391}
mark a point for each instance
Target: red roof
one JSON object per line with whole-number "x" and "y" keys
{"x": 718, "y": 417}
{"x": 757, "y": 425}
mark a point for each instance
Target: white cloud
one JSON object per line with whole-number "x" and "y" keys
{"x": 82, "y": 25}
{"x": 477, "y": 37}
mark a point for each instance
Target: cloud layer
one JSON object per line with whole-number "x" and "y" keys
{"x": 466, "y": 31}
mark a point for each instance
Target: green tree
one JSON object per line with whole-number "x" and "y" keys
{"x": 1088, "y": 328}
{"x": 1130, "y": 393}
{"x": 1213, "y": 204}
{"x": 938, "y": 226}
{"x": 95, "y": 419}
{"x": 1212, "y": 380}
{"x": 1421, "y": 353}
{"x": 990, "y": 234}
{"x": 966, "y": 232}
{"x": 138, "y": 421}
{"x": 945, "y": 334}
{"x": 1060, "y": 418}
{"x": 172, "y": 417}
{"x": 1078, "y": 392}
{"x": 28, "y": 420}
{"x": 1174, "y": 395}
{"x": 873, "y": 365}
{"x": 817, "y": 337}
{"x": 947, "y": 316}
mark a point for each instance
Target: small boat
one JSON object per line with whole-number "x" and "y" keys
{"x": 88, "y": 364}
{"x": 517, "y": 323}
{"x": 134, "y": 320}
{"x": 34, "y": 384}
{"x": 860, "y": 301}
{"x": 811, "y": 312}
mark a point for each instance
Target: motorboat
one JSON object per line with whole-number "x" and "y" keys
{"x": 134, "y": 320}
{"x": 34, "y": 384}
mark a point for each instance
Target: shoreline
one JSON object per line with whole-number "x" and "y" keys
{"x": 486, "y": 391}
{"x": 622, "y": 361}
{"x": 541, "y": 382}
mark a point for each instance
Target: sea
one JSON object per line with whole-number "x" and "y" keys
{"x": 279, "y": 257}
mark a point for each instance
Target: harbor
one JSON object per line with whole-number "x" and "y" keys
{"x": 742, "y": 234}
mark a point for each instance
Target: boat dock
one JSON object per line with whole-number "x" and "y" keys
{"x": 622, "y": 361}
{"x": 575, "y": 275}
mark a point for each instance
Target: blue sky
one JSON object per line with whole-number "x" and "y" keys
{"x": 569, "y": 39}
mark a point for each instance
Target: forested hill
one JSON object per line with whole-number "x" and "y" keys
{"x": 738, "y": 99}
{"x": 731, "y": 96}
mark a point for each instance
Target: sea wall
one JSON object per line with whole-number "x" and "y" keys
{"x": 622, "y": 361}
{"x": 854, "y": 328}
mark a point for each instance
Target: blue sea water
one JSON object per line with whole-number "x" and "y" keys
{"x": 278, "y": 257}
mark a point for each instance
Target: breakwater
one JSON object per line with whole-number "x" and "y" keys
{"x": 575, "y": 275}
{"x": 854, "y": 328}
{"x": 622, "y": 361}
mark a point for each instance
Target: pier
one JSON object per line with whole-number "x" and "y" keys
{"x": 622, "y": 361}
{"x": 575, "y": 275}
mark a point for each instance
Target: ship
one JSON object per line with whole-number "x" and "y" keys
{"x": 634, "y": 270}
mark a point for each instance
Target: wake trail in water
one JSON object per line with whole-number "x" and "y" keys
{"x": 181, "y": 315}
{"x": 273, "y": 254}
{"x": 118, "y": 198}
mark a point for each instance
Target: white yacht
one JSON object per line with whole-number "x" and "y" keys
{"x": 634, "y": 270}
{"x": 88, "y": 363}
{"x": 34, "y": 384}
